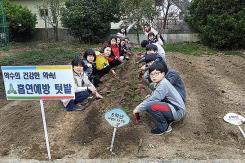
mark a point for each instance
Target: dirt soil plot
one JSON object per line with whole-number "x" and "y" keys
{"x": 215, "y": 86}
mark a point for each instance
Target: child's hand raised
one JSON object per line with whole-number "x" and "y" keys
{"x": 158, "y": 36}
{"x": 143, "y": 68}
{"x": 90, "y": 65}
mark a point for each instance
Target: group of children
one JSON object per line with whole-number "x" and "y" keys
{"x": 166, "y": 103}
{"x": 91, "y": 66}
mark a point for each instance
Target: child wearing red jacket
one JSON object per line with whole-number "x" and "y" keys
{"x": 115, "y": 58}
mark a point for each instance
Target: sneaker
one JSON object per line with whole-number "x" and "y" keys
{"x": 76, "y": 108}
{"x": 169, "y": 129}
{"x": 89, "y": 98}
{"x": 84, "y": 102}
{"x": 79, "y": 109}
{"x": 157, "y": 131}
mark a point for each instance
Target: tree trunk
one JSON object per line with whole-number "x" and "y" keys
{"x": 54, "y": 7}
{"x": 166, "y": 15}
{"x": 56, "y": 37}
{"x": 138, "y": 36}
{"x": 137, "y": 31}
{"x": 46, "y": 27}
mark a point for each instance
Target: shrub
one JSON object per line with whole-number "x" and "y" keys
{"x": 221, "y": 23}
{"x": 89, "y": 21}
{"x": 21, "y": 20}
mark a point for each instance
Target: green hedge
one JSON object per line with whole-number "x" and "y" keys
{"x": 221, "y": 23}
{"x": 21, "y": 21}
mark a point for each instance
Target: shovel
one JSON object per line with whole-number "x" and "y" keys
{"x": 235, "y": 119}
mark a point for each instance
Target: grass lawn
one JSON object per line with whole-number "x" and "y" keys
{"x": 41, "y": 53}
{"x": 195, "y": 49}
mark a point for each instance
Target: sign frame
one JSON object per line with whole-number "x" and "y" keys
{"x": 34, "y": 75}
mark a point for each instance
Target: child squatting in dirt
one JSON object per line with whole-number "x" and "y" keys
{"x": 164, "y": 105}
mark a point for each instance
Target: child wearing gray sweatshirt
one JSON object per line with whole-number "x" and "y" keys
{"x": 165, "y": 104}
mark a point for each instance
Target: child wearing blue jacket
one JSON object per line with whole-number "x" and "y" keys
{"x": 89, "y": 62}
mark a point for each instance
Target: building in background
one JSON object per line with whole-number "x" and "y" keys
{"x": 37, "y": 8}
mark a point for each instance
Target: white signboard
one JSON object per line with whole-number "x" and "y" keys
{"x": 38, "y": 82}
{"x": 117, "y": 117}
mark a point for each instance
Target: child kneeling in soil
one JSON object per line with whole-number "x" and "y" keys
{"x": 165, "y": 104}
{"x": 83, "y": 87}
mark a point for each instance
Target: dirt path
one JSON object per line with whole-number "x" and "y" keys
{"x": 215, "y": 85}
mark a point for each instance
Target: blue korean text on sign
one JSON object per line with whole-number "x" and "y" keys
{"x": 51, "y": 82}
{"x": 117, "y": 117}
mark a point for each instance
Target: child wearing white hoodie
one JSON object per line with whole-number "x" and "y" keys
{"x": 83, "y": 87}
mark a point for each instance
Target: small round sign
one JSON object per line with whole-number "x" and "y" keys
{"x": 117, "y": 117}
{"x": 234, "y": 118}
